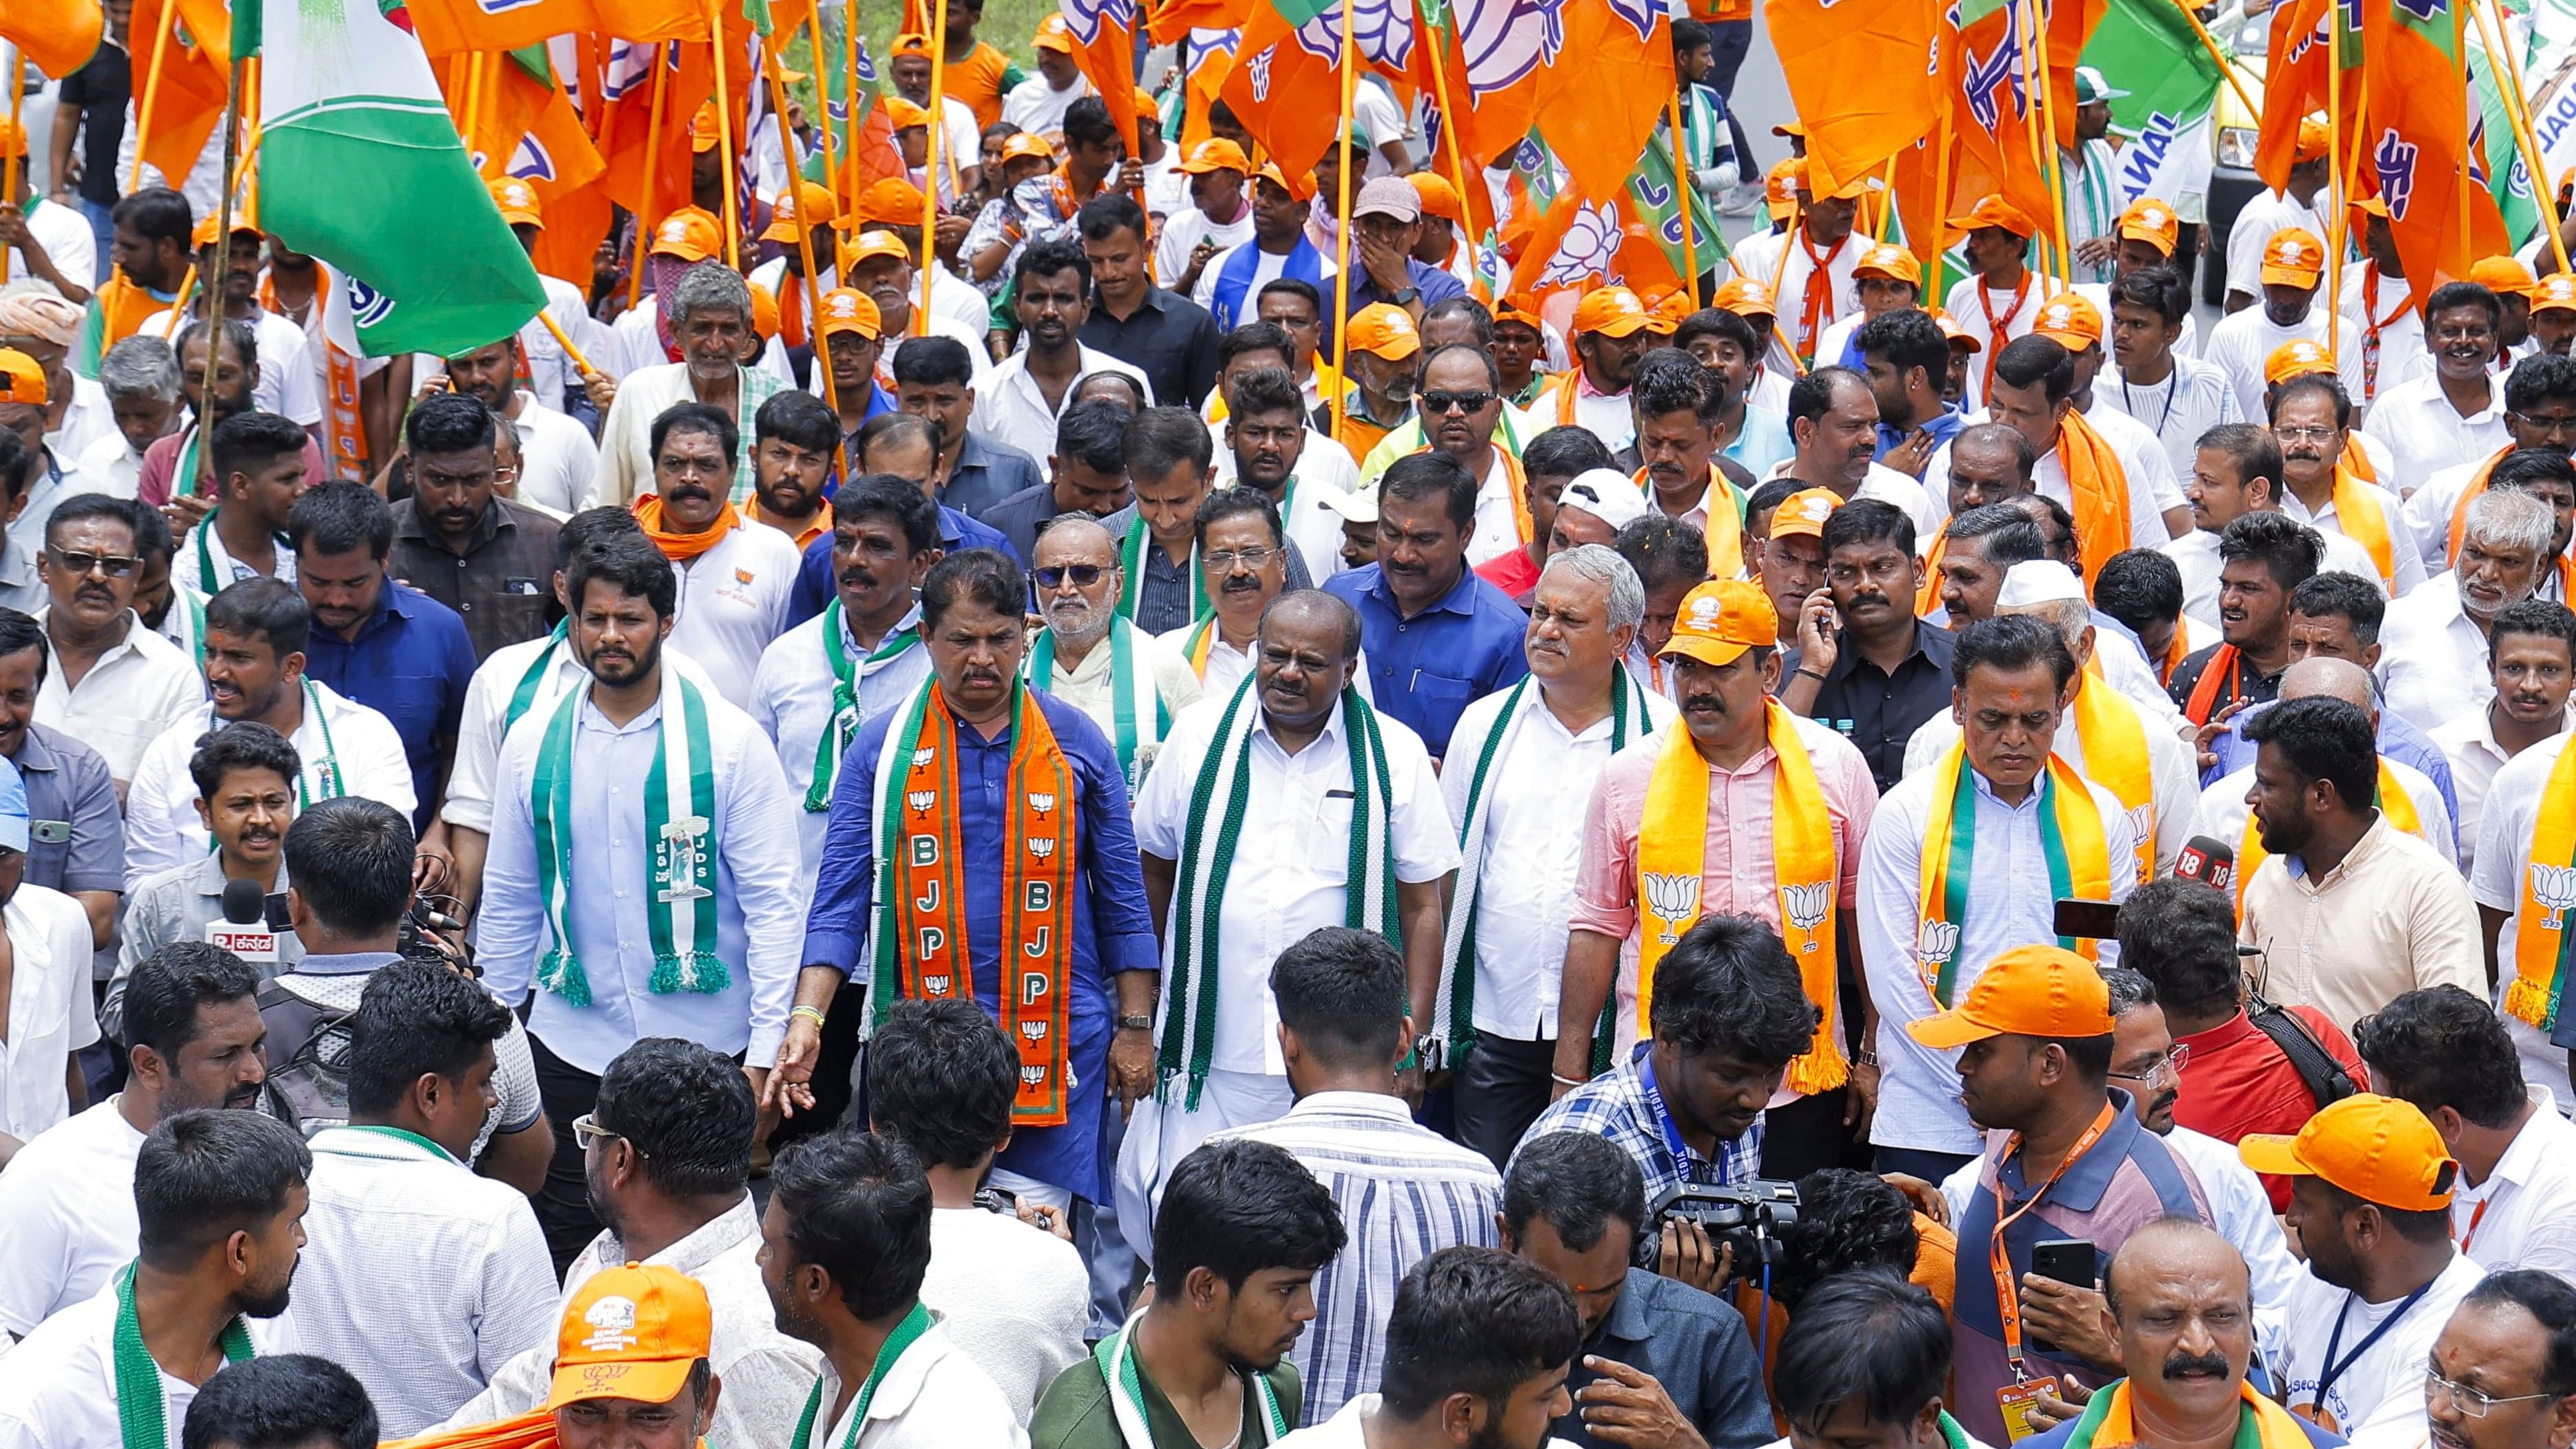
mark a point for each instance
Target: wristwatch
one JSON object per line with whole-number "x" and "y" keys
{"x": 1136, "y": 1023}
{"x": 1404, "y": 296}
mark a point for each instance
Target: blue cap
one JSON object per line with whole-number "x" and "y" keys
{"x": 13, "y": 806}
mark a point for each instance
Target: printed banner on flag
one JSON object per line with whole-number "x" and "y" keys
{"x": 2147, "y": 48}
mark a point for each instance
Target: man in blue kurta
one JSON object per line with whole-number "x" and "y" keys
{"x": 978, "y": 793}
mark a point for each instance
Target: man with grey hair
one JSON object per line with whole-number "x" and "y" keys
{"x": 710, "y": 312}
{"x": 2433, "y": 646}
{"x": 2115, "y": 744}
{"x": 1521, "y": 770}
{"x": 2222, "y": 811}
{"x": 1130, "y": 683}
{"x": 141, "y": 378}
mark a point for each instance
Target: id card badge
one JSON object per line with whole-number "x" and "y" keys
{"x": 2015, "y": 1402}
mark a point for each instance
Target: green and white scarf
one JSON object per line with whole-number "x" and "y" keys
{"x": 211, "y": 580}
{"x": 756, "y": 385}
{"x": 1137, "y": 714}
{"x": 142, "y": 1406}
{"x": 1132, "y": 559}
{"x": 1116, "y": 1356}
{"x": 1218, "y": 803}
{"x": 905, "y": 1335}
{"x": 847, "y": 673}
{"x": 532, "y": 684}
{"x": 679, "y": 822}
{"x": 1454, "y": 1008}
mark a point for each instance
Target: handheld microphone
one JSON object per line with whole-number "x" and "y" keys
{"x": 2208, "y": 860}
{"x": 244, "y": 929}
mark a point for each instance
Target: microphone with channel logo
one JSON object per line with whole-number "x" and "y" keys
{"x": 244, "y": 929}
{"x": 2208, "y": 860}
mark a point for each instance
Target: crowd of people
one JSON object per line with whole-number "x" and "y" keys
{"x": 1228, "y": 855}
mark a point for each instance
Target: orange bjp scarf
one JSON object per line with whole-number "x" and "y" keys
{"x": 681, "y": 547}
{"x": 2101, "y": 490}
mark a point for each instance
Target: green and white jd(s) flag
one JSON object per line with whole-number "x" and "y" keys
{"x": 2147, "y": 48}
{"x": 361, "y": 166}
{"x": 2508, "y": 180}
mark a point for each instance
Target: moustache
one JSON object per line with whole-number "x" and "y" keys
{"x": 1705, "y": 701}
{"x": 2185, "y": 1365}
{"x": 679, "y": 491}
{"x": 1872, "y": 597}
{"x": 1240, "y": 584}
{"x": 857, "y": 578}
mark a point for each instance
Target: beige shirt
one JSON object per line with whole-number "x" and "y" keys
{"x": 1087, "y": 686}
{"x": 2392, "y": 918}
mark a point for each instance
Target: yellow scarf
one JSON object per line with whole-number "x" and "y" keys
{"x": 681, "y": 547}
{"x": 2115, "y": 756}
{"x": 2469, "y": 495}
{"x": 2364, "y": 520}
{"x": 1672, "y": 844}
{"x": 1724, "y": 509}
{"x": 2548, "y": 891}
{"x": 2071, "y": 836}
{"x": 2393, "y": 802}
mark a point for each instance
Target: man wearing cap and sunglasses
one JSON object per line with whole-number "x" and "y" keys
{"x": 2370, "y": 1198}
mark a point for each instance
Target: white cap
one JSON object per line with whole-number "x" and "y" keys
{"x": 2039, "y": 581}
{"x": 1606, "y": 494}
{"x": 1357, "y": 506}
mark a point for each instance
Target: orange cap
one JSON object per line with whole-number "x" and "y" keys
{"x": 2312, "y": 143}
{"x": 1383, "y": 329}
{"x": 1298, "y": 190}
{"x": 1216, "y": 153}
{"x": 1721, "y": 619}
{"x": 2554, "y": 293}
{"x": 1665, "y": 313}
{"x": 788, "y": 209}
{"x": 844, "y": 310}
{"x": 764, "y": 311}
{"x": 1027, "y": 144}
{"x": 245, "y": 219}
{"x": 2503, "y": 274}
{"x": 1744, "y": 297}
{"x": 1957, "y": 336}
{"x": 1439, "y": 198}
{"x": 1519, "y": 307}
{"x": 688, "y": 233}
{"x": 1613, "y": 311}
{"x": 2293, "y": 258}
{"x": 1896, "y": 264}
{"x": 518, "y": 201}
{"x": 703, "y": 135}
{"x": 1790, "y": 127}
{"x": 22, "y": 380}
{"x": 2071, "y": 320}
{"x": 631, "y": 1333}
{"x": 1148, "y": 108}
{"x": 1780, "y": 186}
{"x": 2296, "y": 358}
{"x": 2026, "y": 991}
{"x": 1053, "y": 34}
{"x": 2150, "y": 221}
{"x": 875, "y": 244}
{"x": 2379, "y": 1149}
{"x": 1804, "y": 513}
{"x": 13, "y": 137}
{"x": 889, "y": 199}
{"x": 903, "y": 115}
{"x": 1992, "y": 210}
{"x": 911, "y": 42}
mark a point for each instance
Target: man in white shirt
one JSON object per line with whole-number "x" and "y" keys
{"x": 2531, "y": 658}
{"x": 2073, "y": 321}
{"x": 1231, "y": 283}
{"x": 1026, "y": 395}
{"x": 44, "y": 239}
{"x": 2448, "y": 1052}
{"x": 47, "y": 998}
{"x": 141, "y": 378}
{"x": 2362, "y": 521}
{"x": 1007, "y": 1288}
{"x": 2157, "y": 384}
{"x": 1302, "y": 742}
{"x": 1612, "y": 329}
{"x": 558, "y": 462}
{"x": 1833, "y": 431}
{"x": 2236, "y": 471}
{"x": 218, "y": 1197}
{"x": 880, "y": 264}
{"x": 2539, "y": 412}
{"x": 1091, "y": 655}
{"x": 109, "y": 682}
{"x": 255, "y": 636}
{"x": 2032, "y": 390}
{"x": 1243, "y": 563}
{"x": 1809, "y": 267}
{"x": 2453, "y": 410}
{"x": 643, "y": 876}
{"x": 2433, "y": 659}
{"x": 286, "y": 382}
{"x": 2270, "y": 213}
{"x": 2382, "y": 339}
{"x": 736, "y": 576}
{"x": 1270, "y": 447}
{"x": 2370, "y": 1198}
{"x": 1528, "y": 759}
{"x": 1037, "y": 104}
{"x": 855, "y": 1293}
{"x": 398, "y": 1216}
{"x": 1999, "y": 298}
{"x": 710, "y": 314}
{"x": 1219, "y": 216}
{"x": 2293, "y": 267}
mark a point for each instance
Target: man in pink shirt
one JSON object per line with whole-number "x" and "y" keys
{"x": 1726, "y": 668}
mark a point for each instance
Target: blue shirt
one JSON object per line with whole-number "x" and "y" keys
{"x": 410, "y": 663}
{"x": 1943, "y": 427}
{"x": 2399, "y": 740}
{"x": 1426, "y": 670}
{"x": 1762, "y": 443}
{"x": 1695, "y": 1345}
{"x": 1432, "y": 285}
{"x": 814, "y": 573}
{"x": 986, "y": 473}
{"x": 1112, "y": 930}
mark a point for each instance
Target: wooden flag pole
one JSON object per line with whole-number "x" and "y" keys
{"x": 224, "y": 259}
{"x": 810, "y": 294}
{"x": 1342, "y": 227}
{"x": 1779, "y": 274}
{"x": 1681, "y": 198}
{"x": 938, "y": 133}
{"x": 2339, "y": 231}
{"x": 724, "y": 137}
{"x": 152, "y": 88}
{"x": 841, "y": 205}
{"x": 2517, "y": 110}
{"x": 1939, "y": 261}
{"x": 1448, "y": 137}
{"x": 2032, "y": 123}
{"x": 2049, "y": 148}
{"x": 1886, "y": 200}
{"x": 645, "y": 219}
{"x": 11, "y": 168}
{"x": 2460, "y": 48}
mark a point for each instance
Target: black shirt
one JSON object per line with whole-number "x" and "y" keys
{"x": 2237, "y": 680}
{"x": 101, "y": 89}
{"x": 1877, "y": 711}
{"x": 501, "y": 586}
{"x": 1170, "y": 339}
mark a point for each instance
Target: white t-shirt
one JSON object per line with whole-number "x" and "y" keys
{"x": 2384, "y": 1386}
{"x": 558, "y": 460}
{"x": 48, "y": 1002}
{"x": 285, "y": 383}
{"x": 733, "y": 601}
{"x": 1014, "y": 1297}
{"x": 60, "y": 1390}
{"x": 1184, "y": 230}
{"x": 67, "y": 1218}
{"x": 1035, "y": 105}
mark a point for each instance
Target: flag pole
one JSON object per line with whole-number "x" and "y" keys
{"x": 223, "y": 247}
{"x": 1449, "y": 139}
{"x": 644, "y": 218}
{"x": 1681, "y": 195}
{"x": 930, "y": 171}
{"x": 1886, "y": 199}
{"x": 1342, "y": 228}
{"x": 2226, "y": 72}
{"x": 810, "y": 293}
{"x": 9, "y": 169}
{"x": 2517, "y": 110}
{"x": 1940, "y": 238}
{"x": 2460, "y": 48}
{"x": 2049, "y": 149}
{"x": 1779, "y": 274}
{"x": 823, "y": 102}
{"x": 152, "y": 87}
{"x": 2339, "y": 231}
{"x": 2035, "y": 95}
{"x": 724, "y": 137}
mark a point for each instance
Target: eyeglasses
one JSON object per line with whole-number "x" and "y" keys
{"x": 2305, "y": 435}
{"x": 115, "y": 566}
{"x": 2167, "y": 1068}
{"x": 2472, "y": 1403}
{"x": 1224, "y": 559}
{"x": 1465, "y": 402}
{"x": 587, "y": 1133}
{"x": 1053, "y": 576}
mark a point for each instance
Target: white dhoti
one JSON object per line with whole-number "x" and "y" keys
{"x": 1160, "y": 1134}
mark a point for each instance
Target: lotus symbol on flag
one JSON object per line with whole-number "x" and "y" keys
{"x": 2394, "y": 159}
{"x": 1673, "y": 898}
{"x": 2142, "y": 821}
{"x": 531, "y": 161}
{"x": 1384, "y": 32}
{"x": 921, "y": 800}
{"x": 1640, "y": 14}
{"x": 2554, "y": 886}
{"x": 1259, "y": 66}
{"x": 1042, "y": 848}
{"x": 1591, "y": 240}
{"x": 1504, "y": 40}
{"x": 1805, "y": 905}
{"x": 867, "y": 63}
{"x": 1041, "y": 801}
{"x": 1985, "y": 72}
{"x": 923, "y": 757}
{"x": 1083, "y": 17}
{"x": 1033, "y": 1076}
{"x": 1937, "y": 942}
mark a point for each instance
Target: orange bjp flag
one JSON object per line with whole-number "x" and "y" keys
{"x": 187, "y": 98}
{"x": 2294, "y": 84}
{"x": 626, "y": 90}
{"x": 1598, "y": 106}
{"x": 1285, "y": 86}
{"x": 2415, "y": 150}
{"x": 1103, "y": 33}
{"x": 1857, "y": 72}
{"x": 1168, "y": 20}
{"x": 1984, "y": 76}
{"x": 445, "y": 27}
{"x": 58, "y": 35}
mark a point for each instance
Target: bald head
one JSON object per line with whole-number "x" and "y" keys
{"x": 1066, "y": 536}
{"x": 1301, "y": 610}
{"x": 2182, "y": 1306}
{"x": 2320, "y": 676}
{"x": 2173, "y": 1249}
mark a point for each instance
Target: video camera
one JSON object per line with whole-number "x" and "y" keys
{"x": 1753, "y": 1218}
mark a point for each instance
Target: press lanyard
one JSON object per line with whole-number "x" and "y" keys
{"x": 2007, "y": 1298}
{"x": 1682, "y": 1159}
{"x": 2334, "y": 1367}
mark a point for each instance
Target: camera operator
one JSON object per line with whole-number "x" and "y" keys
{"x": 2066, "y": 1158}
{"x": 349, "y": 890}
{"x": 1664, "y": 1365}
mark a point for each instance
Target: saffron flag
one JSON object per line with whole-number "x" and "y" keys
{"x": 1985, "y": 74}
{"x": 2415, "y": 152}
{"x": 1104, "y": 50}
{"x": 1284, "y": 72}
{"x": 58, "y": 35}
{"x": 2295, "y": 84}
{"x": 178, "y": 107}
{"x": 1167, "y": 21}
{"x": 1597, "y": 112}
{"x": 1857, "y": 71}
{"x": 355, "y": 133}
{"x": 1491, "y": 54}
{"x": 446, "y": 27}
{"x": 626, "y": 135}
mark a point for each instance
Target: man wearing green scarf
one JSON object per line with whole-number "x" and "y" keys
{"x": 219, "y": 1202}
{"x": 1866, "y": 1360}
{"x": 1094, "y": 655}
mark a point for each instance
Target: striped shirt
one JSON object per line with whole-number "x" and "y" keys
{"x": 1405, "y": 1192}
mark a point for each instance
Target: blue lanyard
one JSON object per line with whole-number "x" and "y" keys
{"x": 1663, "y": 1118}
{"x": 2333, "y": 1367}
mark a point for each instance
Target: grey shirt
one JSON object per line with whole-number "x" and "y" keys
{"x": 1165, "y": 603}
{"x": 76, "y": 833}
{"x": 178, "y": 905}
